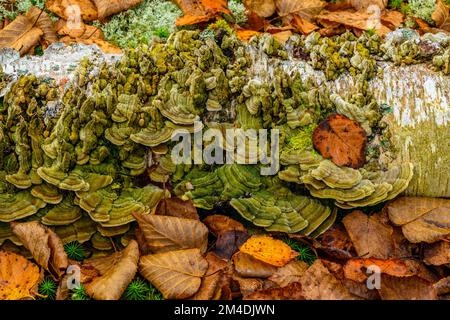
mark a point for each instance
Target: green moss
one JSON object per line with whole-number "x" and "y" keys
{"x": 423, "y": 9}
{"x": 79, "y": 294}
{"x": 139, "y": 25}
{"x": 47, "y": 288}
{"x": 75, "y": 250}
{"x": 302, "y": 140}
{"x": 221, "y": 24}
{"x": 304, "y": 253}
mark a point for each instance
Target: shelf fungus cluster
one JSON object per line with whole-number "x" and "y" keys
{"x": 83, "y": 157}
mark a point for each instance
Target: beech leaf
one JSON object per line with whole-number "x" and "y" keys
{"x": 211, "y": 280}
{"x": 107, "y": 8}
{"x": 166, "y": 233}
{"x": 19, "y": 278}
{"x": 116, "y": 272}
{"x": 290, "y": 292}
{"x": 20, "y": 35}
{"x": 307, "y": 9}
{"x": 269, "y": 250}
{"x": 45, "y": 246}
{"x": 341, "y": 139}
{"x": 75, "y": 10}
{"x": 441, "y": 15}
{"x": 247, "y": 266}
{"x": 177, "y": 274}
{"x": 290, "y": 273}
{"x": 263, "y": 8}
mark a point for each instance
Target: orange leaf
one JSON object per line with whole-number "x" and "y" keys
{"x": 188, "y": 20}
{"x": 282, "y": 36}
{"x": 361, "y": 20}
{"x": 354, "y": 269}
{"x": 269, "y": 250}
{"x": 392, "y": 19}
{"x": 73, "y": 9}
{"x": 341, "y": 139}
{"x": 303, "y": 25}
{"x": 246, "y": 35}
{"x": 18, "y": 277}
{"x": 263, "y": 8}
{"x": 442, "y": 16}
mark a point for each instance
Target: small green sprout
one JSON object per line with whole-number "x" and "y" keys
{"x": 79, "y": 294}
{"x": 47, "y": 289}
{"x": 75, "y": 250}
{"x": 304, "y": 253}
{"x": 138, "y": 289}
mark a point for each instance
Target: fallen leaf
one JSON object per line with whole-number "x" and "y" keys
{"x": 247, "y": 286}
{"x": 198, "y": 11}
{"x": 228, "y": 242}
{"x": 290, "y": 292}
{"x": 19, "y": 278}
{"x": 290, "y": 273}
{"x": 83, "y": 31}
{"x": 283, "y": 36}
{"x": 269, "y": 250}
{"x": 441, "y": 15}
{"x": 360, "y": 20}
{"x": 335, "y": 242}
{"x": 211, "y": 280}
{"x": 166, "y": 233}
{"x": 177, "y": 207}
{"x": 45, "y": 246}
{"x": 392, "y": 19}
{"x": 42, "y": 20}
{"x": 341, "y": 139}
{"x": 319, "y": 284}
{"x": 74, "y": 10}
{"x": 116, "y": 272}
{"x": 365, "y": 4}
{"x": 358, "y": 289}
{"x": 106, "y": 8}
{"x": 437, "y": 254}
{"x": 263, "y": 8}
{"x": 247, "y": 266}
{"x": 302, "y": 25}
{"x": 442, "y": 286}
{"x": 410, "y": 288}
{"x": 355, "y": 269}
{"x": 422, "y": 219}
{"x": 370, "y": 237}
{"x": 217, "y": 224}
{"x": 20, "y": 35}
{"x": 306, "y": 9}
{"x": 177, "y": 274}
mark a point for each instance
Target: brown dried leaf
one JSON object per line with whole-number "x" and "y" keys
{"x": 335, "y": 242}
{"x": 302, "y": 25}
{"x": 166, "y": 233}
{"x": 247, "y": 266}
{"x": 319, "y": 284}
{"x": 177, "y": 207}
{"x": 228, "y": 242}
{"x": 365, "y": 4}
{"x": 360, "y": 20}
{"x": 269, "y": 250}
{"x": 107, "y": 8}
{"x": 198, "y": 11}
{"x": 177, "y": 274}
{"x": 83, "y": 31}
{"x": 282, "y": 36}
{"x": 116, "y": 272}
{"x": 263, "y": 8}
{"x": 392, "y": 19}
{"x": 19, "y": 278}
{"x": 290, "y": 292}
{"x": 437, "y": 254}
{"x": 290, "y": 273}
{"x": 341, "y": 139}
{"x": 42, "y": 20}
{"x": 217, "y": 223}
{"x": 441, "y": 15}
{"x": 20, "y": 35}
{"x": 211, "y": 280}
{"x": 371, "y": 238}
{"x": 73, "y": 10}
{"x": 410, "y": 288}
{"x": 355, "y": 269}
{"x": 45, "y": 246}
{"x": 442, "y": 286}
{"x": 422, "y": 219}
{"x": 306, "y": 9}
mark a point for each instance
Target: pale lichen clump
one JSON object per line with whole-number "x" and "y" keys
{"x": 422, "y": 9}
{"x": 152, "y": 18}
